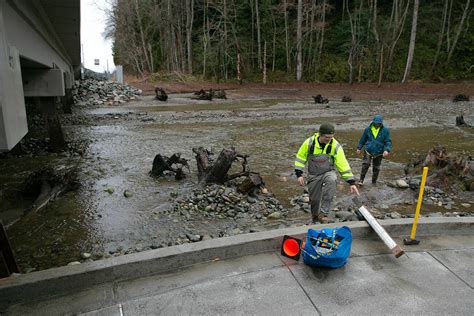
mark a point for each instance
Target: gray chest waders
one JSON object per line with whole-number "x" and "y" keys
{"x": 320, "y": 163}
{"x": 318, "y": 166}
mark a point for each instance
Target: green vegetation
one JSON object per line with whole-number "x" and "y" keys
{"x": 341, "y": 40}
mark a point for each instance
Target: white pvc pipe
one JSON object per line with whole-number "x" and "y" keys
{"x": 396, "y": 249}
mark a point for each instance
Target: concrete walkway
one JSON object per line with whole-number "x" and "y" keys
{"x": 435, "y": 277}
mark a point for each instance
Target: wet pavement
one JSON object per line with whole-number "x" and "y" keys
{"x": 125, "y": 139}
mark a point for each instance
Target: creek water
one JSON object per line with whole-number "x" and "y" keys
{"x": 96, "y": 220}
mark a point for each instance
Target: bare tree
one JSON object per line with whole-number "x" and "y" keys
{"x": 458, "y": 31}
{"x": 189, "y": 32}
{"x": 285, "y": 12}
{"x": 440, "y": 36}
{"x": 259, "y": 39}
{"x": 323, "y": 25}
{"x": 299, "y": 67}
{"x": 411, "y": 48}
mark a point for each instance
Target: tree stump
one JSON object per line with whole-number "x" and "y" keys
{"x": 160, "y": 94}
{"x": 346, "y": 99}
{"x": 461, "y": 98}
{"x": 173, "y": 164}
{"x": 216, "y": 172}
{"x": 320, "y": 99}
{"x": 460, "y": 121}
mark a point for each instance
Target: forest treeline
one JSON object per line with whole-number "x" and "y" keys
{"x": 283, "y": 40}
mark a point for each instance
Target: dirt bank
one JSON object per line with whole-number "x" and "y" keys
{"x": 358, "y": 91}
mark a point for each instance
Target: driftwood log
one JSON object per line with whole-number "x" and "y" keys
{"x": 346, "y": 98}
{"x": 320, "y": 99}
{"x": 174, "y": 164}
{"x": 47, "y": 184}
{"x": 210, "y": 171}
{"x": 219, "y": 94}
{"x": 445, "y": 170}
{"x": 203, "y": 95}
{"x": 160, "y": 94}
{"x": 461, "y": 98}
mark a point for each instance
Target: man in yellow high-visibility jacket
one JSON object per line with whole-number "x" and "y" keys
{"x": 323, "y": 154}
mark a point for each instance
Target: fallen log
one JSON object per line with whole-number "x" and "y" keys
{"x": 203, "y": 95}
{"x": 46, "y": 185}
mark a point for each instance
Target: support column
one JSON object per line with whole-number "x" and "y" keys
{"x": 67, "y": 101}
{"x": 51, "y": 120}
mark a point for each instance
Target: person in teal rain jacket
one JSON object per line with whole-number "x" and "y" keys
{"x": 376, "y": 143}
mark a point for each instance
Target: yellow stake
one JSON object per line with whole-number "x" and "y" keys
{"x": 418, "y": 204}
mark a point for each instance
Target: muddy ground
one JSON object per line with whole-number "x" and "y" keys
{"x": 266, "y": 122}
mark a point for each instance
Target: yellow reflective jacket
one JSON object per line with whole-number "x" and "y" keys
{"x": 337, "y": 154}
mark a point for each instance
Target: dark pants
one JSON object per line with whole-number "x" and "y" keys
{"x": 366, "y": 161}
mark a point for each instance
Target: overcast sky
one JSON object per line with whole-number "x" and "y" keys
{"x": 93, "y": 44}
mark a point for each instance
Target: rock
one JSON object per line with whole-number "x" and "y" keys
{"x": 251, "y": 199}
{"x": 344, "y": 215}
{"x": 109, "y": 190}
{"x": 127, "y": 194}
{"x": 174, "y": 194}
{"x": 85, "y": 255}
{"x": 274, "y": 215}
{"x": 414, "y": 183}
{"x": 353, "y": 218}
{"x": 437, "y": 214}
{"x": 193, "y": 238}
{"x": 238, "y": 209}
{"x": 395, "y": 215}
{"x": 30, "y": 269}
{"x": 401, "y": 184}
{"x": 466, "y": 205}
{"x": 236, "y": 231}
{"x": 73, "y": 263}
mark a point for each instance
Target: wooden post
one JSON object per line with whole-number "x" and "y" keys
{"x": 7, "y": 260}
{"x": 396, "y": 249}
